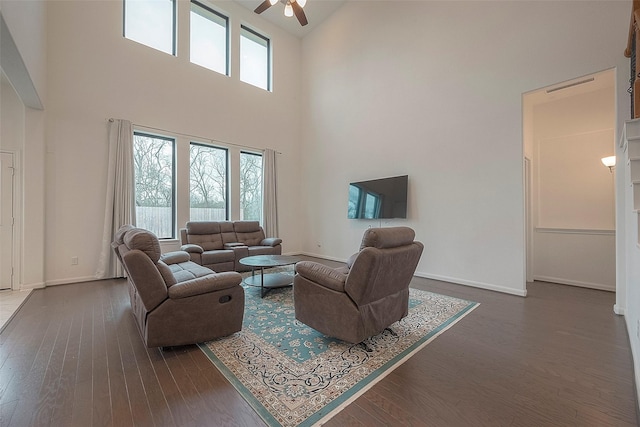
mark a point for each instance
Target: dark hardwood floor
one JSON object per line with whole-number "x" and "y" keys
{"x": 72, "y": 357}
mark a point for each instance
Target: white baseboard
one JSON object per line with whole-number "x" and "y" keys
{"x": 488, "y": 286}
{"x": 598, "y": 286}
{"x": 70, "y": 280}
{"x": 474, "y": 284}
{"x": 26, "y": 287}
{"x": 618, "y": 310}
{"x": 328, "y": 258}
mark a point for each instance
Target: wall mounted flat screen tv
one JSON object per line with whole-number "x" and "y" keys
{"x": 383, "y": 198}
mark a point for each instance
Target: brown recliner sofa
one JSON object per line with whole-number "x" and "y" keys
{"x": 366, "y": 296}
{"x": 220, "y": 245}
{"x": 176, "y": 301}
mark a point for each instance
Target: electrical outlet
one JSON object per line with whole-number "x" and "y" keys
{"x": 74, "y": 260}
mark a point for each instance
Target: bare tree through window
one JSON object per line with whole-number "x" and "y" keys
{"x": 153, "y": 161}
{"x": 250, "y": 186}
{"x": 208, "y": 183}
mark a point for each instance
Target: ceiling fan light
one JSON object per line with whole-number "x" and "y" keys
{"x": 288, "y": 10}
{"x": 301, "y": 2}
{"x": 273, "y": 2}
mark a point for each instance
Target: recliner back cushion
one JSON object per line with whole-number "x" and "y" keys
{"x": 145, "y": 241}
{"x": 389, "y": 237}
{"x": 228, "y": 233}
{"x": 376, "y": 273}
{"x": 205, "y": 234}
{"x": 249, "y": 232}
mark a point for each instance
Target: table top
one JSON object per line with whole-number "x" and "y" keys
{"x": 269, "y": 260}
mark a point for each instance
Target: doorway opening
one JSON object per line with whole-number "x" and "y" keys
{"x": 570, "y": 197}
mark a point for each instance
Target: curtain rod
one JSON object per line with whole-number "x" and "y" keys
{"x": 197, "y": 137}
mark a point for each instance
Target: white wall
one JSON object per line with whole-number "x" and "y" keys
{"x": 25, "y": 57}
{"x": 95, "y": 73}
{"x": 26, "y": 22}
{"x": 433, "y": 90}
{"x": 574, "y": 238}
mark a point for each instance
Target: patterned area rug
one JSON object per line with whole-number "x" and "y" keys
{"x": 293, "y": 375}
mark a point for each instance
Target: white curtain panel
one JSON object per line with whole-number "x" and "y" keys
{"x": 120, "y": 195}
{"x": 269, "y": 200}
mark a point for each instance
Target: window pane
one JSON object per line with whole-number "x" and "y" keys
{"x": 151, "y": 22}
{"x": 250, "y": 186}
{"x": 254, "y": 59}
{"x": 208, "y": 183}
{"x": 153, "y": 158}
{"x": 209, "y": 38}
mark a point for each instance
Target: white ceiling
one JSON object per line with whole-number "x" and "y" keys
{"x": 315, "y": 10}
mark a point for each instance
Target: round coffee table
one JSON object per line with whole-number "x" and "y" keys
{"x": 268, "y": 281}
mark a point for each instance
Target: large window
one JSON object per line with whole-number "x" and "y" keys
{"x": 154, "y": 159}
{"x": 250, "y": 186}
{"x": 209, "y": 38}
{"x": 209, "y": 186}
{"x": 152, "y": 23}
{"x": 255, "y": 59}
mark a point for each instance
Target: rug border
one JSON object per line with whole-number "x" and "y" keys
{"x": 334, "y": 407}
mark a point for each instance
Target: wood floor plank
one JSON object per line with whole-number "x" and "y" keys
{"x": 160, "y": 411}
{"x": 101, "y": 402}
{"x": 120, "y": 408}
{"x": 140, "y": 410}
{"x": 73, "y": 356}
{"x": 175, "y": 401}
{"x": 55, "y": 386}
{"x": 82, "y": 406}
{"x": 225, "y": 394}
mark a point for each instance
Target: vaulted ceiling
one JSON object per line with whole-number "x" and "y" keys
{"x": 315, "y": 10}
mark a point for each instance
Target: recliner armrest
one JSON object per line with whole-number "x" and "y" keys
{"x": 192, "y": 248}
{"x": 271, "y": 241}
{"x": 175, "y": 257}
{"x": 202, "y": 285}
{"x": 322, "y": 275}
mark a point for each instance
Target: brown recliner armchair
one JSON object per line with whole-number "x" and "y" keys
{"x": 176, "y": 301}
{"x": 360, "y": 300}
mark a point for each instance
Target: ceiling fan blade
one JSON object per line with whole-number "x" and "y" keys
{"x": 299, "y": 13}
{"x": 266, "y": 4}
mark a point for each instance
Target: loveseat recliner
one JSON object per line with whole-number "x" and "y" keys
{"x": 174, "y": 300}
{"x": 220, "y": 245}
{"x": 366, "y": 296}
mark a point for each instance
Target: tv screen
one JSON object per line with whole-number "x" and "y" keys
{"x": 378, "y": 198}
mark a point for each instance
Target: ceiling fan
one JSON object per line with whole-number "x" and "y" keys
{"x": 291, "y": 7}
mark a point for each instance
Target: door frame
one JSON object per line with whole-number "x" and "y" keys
{"x": 17, "y": 218}
{"x": 12, "y": 283}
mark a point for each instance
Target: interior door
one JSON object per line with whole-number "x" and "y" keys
{"x": 6, "y": 220}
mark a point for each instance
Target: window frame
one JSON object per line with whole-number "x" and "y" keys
{"x": 174, "y": 27}
{"x": 227, "y": 35}
{"x": 173, "y": 177}
{"x": 256, "y": 35}
{"x": 261, "y": 156}
{"x": 227, "y": 192}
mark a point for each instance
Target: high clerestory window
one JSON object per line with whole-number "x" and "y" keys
{"x": 152, "y": 23}
{"x": 209, "y": 42}
{"x": 255, "y": 58}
